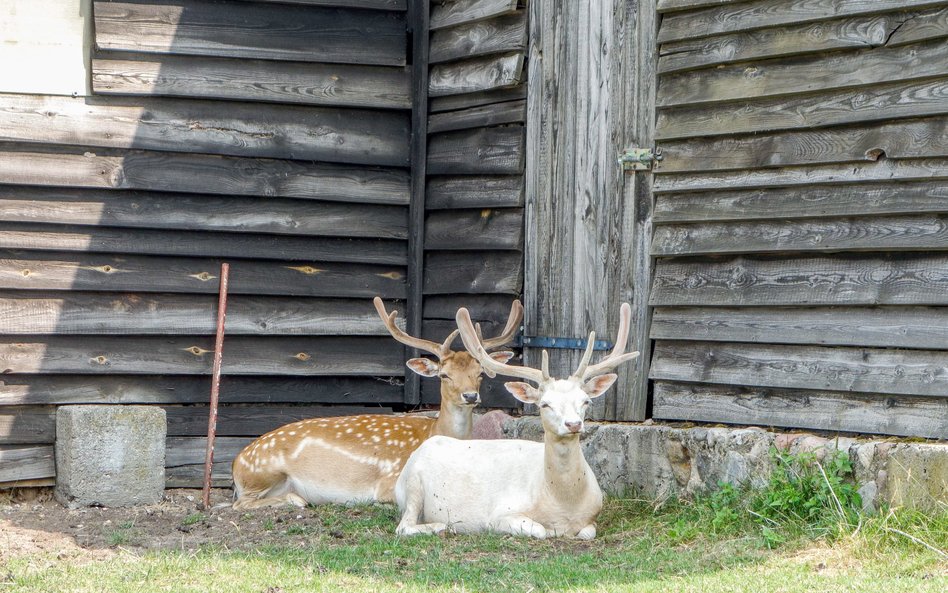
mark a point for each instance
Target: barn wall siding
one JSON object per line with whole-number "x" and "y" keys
{"x": 275, "y": 136}
{"x": 475, "y": 171}
{"x": 799, "y": 219}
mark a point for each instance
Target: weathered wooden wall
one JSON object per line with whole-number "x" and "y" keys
{"x": 590, "y": 98}
{"x": 800, "y": 215}
{"x": 476, "y": 154}
{"x": 271, "y": 135}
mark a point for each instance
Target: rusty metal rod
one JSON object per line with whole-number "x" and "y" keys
{"x": 215, "y": 385}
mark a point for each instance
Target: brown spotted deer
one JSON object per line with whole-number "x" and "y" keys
{"x": 513, "y": 486}
{"x": 358, "y": 458}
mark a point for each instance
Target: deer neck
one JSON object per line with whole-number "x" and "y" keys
{"x": 564, "y": 467}
{"x": 454, "y": 420}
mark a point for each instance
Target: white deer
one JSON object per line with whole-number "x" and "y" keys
{"x": 358, "y": 458}
{"x": 513, "y": 486}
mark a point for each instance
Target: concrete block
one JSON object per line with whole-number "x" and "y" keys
{"x": 111, "y": 456}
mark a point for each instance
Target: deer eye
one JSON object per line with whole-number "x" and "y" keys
{"x": 543, "y": 405}
{"x": 444, "y": 376}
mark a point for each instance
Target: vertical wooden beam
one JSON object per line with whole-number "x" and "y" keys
{"x": 639, "y": 187}
{"x": 418, "y": 12}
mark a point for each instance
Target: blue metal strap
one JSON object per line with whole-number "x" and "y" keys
{"x": 564, "y": 343}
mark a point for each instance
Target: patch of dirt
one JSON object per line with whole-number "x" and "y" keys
{"x": 31, "y": 522}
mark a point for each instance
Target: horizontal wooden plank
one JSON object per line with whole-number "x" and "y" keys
{"x": 99, "y": 239}
{"x": 252, "y": 421}
{"x": 482, "y": 307}
{"x": 889, "y": 170}
{"x": 476, "y": 75}
{"x": 467, "y": 100}
{"x": 746, "y": 16}
{"x": 457, "y": 12}
{"x": 876, "y": 103}
{"x": 182, "y": 450}
{"x": 901, "y": 197}
{"x": 192, "y": 476}
{"x": 815, "y": 410}
{"x": 849, "y": 33}
{"x": 185, "y": 389}
{"x": 901, "y": 139}
{"x": 166, "y": 210}
{"x": 243, "y": 129}
{"x": 481, "y": 151}
{"x": 847, "y": 279}
{"x": 489, "y": 229}
{"x": 446, "y": 193}
{"x": 371, "y": 4}
{"x": 805, "y": 74}
{"x": 19, "y": 464}
{"x": 886, "y": 327}
{"x": 499, "y": 35}
{"x": 27, "y": 425}
{"x": 192, "y": 355}
{"x": 68, "y": 313}
{"x": 931, "y": 24}
{"x": 867, "y": 370}
{"x": 928, "y": 232}
{"x": 473, "y": 272}
{"x": 253, "y": 80}
{"x": 672, "y": 5}
{"x": 196, "y": 173}
{"x": 106, "y": 273}
{"x": 249, "y": 30}
{"x": 476, "y": 117}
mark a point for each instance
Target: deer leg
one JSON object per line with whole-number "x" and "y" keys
{"x": 290, "y": 498}
{"x": 414, "y": 505}
{"x": 587, "y": 533}
{"x": 519, "y": 525}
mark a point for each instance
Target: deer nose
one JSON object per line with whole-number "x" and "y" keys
{"x": 574, "y": 426}
{"x": 471, "y": 398}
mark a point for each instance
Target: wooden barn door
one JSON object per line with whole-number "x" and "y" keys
{"x": 590, "y": 99}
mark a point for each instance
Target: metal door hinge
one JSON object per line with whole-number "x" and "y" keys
{"x": 638, "y": 159}
{"x": 564, "y": 343}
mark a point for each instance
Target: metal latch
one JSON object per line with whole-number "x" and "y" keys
{"x": 638, "y": 159}
{"x": 564, "y": 343}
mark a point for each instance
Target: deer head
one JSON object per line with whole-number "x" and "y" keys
{"x": 460, "y": 373}
{"x": 562, "y": 402}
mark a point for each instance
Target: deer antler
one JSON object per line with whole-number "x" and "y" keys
{"x": 513, "y": 323}
{"x": 439, "y": 350}
{"x": 616, "y": 357}
{"x": 474, "y": 345}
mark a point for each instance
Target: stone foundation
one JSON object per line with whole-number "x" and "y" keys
{"x": 659, "y": 461}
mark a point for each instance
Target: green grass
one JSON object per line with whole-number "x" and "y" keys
{"x": 801, "y": 533}
{"x": 193, "y": 519}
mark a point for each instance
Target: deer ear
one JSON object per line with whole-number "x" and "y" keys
{"x": 502, "y": 357}
{"x": 599, "y": 385}
{"x": 423, "y": 366}
{"x": 525, "y": 392}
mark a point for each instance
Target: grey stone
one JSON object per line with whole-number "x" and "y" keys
{"x": 490, "y": 425}
{"x": 869, "y": 492}
{"x": 917, "y": 476}
{"x": 110, "y": 456}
